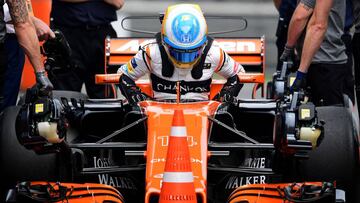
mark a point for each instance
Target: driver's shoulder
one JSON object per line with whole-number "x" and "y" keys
{"x": 215, "y": 54}
{"x": 153, "y": 51}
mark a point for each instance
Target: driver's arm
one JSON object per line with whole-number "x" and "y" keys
{"x": 229, "y": 69}
{"x": 137, "y": 67}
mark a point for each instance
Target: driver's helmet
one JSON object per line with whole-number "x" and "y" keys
{"x": 184, "y": 34}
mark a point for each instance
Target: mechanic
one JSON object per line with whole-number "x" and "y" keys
{"x": 323, "y": 50}
{"x": 356, "y": 48}
{"x": 16, "y": 57}
{"x": 182, "y": 52}
{"x": 286, "y": 9}
{"x": 85, "y": 24}
{"x": 26, "y": 35}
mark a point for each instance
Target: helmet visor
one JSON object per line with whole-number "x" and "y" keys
{"x": 185, "y": 56}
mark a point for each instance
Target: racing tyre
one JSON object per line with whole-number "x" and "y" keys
{"x": 17, "y": 162}
{"x": 336, "y": 159}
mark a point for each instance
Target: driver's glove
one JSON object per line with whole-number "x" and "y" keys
{"x": 299, "y": 82}
{"x": 224, "y": 96}
{"x": 43, "y": 83}
{"x": 138, "y": 97}
{"x": 132, "y": 92}
{"x": 230, "y": 90}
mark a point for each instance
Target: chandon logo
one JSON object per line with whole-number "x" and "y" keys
{"x": 183, "y": 88}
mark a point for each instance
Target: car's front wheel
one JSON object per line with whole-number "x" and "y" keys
{"x": 337, "y": 158}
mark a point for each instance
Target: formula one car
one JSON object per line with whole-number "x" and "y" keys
{"x": 249, "y": 150}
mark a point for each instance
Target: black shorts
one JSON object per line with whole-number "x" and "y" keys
{"x": 328, "y": 83}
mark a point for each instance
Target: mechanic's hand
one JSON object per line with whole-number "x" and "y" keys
{"x": 288, "y": 54}
{"x": 118, "y": 4}
{"x": 42, "y": 30}
{"x": 44, "y": 84}
{"x": 299, "y": 82}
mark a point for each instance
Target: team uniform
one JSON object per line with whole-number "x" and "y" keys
{"x": 2, "y": 54}
{"x": 286, "y": 10}
{"x": 85, "y": 26}
{"x": 149, "y": 61}
{"x": 15, "y": 63}
{"x": 328, "y": 74}
{"x": 356, "y": 47}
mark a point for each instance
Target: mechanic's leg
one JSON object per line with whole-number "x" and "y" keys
{"x": 96, "y": 63}
{"x": 2, "y": 72}
{"x": 281, "y": 38}
{"x": 15, "y": 65}
{"x": 349, "y": 81}
{"x": 356, "y": 53}
{"x": 70, "y": 78}
{"x": 327, "y": 83}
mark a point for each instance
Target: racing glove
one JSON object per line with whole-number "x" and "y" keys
{"x": 131, "y": 92}
{"x": 230, "y": 90}
{"x": 299, "y": 82}
{"x": 43, "y": 83}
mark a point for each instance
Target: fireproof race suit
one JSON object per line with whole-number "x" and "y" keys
{"x": 194, "y": 83}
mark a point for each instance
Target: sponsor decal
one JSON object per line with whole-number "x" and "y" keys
{"x": 255, "y": 162}
{"x": 165, "y": 141}
{"x": 236, "y": 181}
{"x": 114, "y": 181}
{"x": 163, "y": 160}
{"x": 237, "y": 46}
{"x": 162, "y": 85}
{"x": 39, "y": 108}
{"x": 305, "y": 113}
{"x": 133, "y": 63}
{"x": 183, "y": 88}
{"x": 102, "y": 162}
{"x": 118, "y": 182}
{"x": 234, "y": 46}
{"x": 129, "y": 46}
{"x": 125, "y": 68}
{"x": 129, "y": 68}
{"x": 207, "y": 65}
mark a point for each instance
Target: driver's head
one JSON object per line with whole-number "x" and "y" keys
{"x": 184, "y": 34}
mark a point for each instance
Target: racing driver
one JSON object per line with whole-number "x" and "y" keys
{"x": 184, "y": 53}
